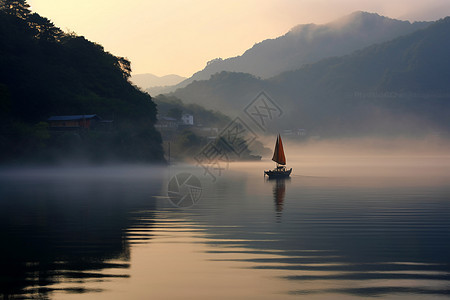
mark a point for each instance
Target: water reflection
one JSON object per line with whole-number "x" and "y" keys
{"x": 339, "y": 238}
{"x": 59, "y": 228}
{"x": 279, "y": 192}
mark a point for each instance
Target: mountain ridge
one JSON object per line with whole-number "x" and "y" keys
{"x": 308, "y": 43}
{"x": 403, "y": 78}
{"x": 148, "y": 80}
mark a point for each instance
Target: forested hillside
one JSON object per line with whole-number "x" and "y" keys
{"x": 44, "y": 72}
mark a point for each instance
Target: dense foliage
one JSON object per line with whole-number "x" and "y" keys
{"x": 45, "y": 72}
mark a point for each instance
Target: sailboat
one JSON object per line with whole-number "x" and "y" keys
{"x": 278, "y": 156}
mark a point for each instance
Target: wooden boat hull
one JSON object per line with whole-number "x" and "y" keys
{"x": 278, "y": 173}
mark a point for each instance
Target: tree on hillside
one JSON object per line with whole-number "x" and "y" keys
{"x": 17, "y": 8}
{"x": 124, "y": 65}
{"x": 45, "y": 29}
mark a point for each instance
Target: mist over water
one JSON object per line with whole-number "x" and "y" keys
{"x": 361, "y": 104}
{"x": 357, "y": 219}
{"x": 372, "y": 157}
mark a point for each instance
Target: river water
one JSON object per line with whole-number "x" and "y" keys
{"x": 339, "y": 228}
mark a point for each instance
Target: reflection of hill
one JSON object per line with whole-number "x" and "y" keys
{"x": 66, "y": 229}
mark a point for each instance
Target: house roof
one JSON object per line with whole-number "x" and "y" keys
{"x": 72, "y": 118}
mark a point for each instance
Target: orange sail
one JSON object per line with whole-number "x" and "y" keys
{"x": 278, "y": 153}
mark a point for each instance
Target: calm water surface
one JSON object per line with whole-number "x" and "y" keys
{"x": 340, "y": 228}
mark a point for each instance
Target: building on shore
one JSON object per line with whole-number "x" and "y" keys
{"x": 78, "y": 122}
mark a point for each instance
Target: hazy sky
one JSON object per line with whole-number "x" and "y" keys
{"x": 179, "y": 36}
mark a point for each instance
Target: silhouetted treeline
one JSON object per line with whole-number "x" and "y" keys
{"x": 45, "y": 72}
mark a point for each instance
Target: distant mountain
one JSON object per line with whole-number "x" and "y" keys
{"x": 396, "y": 86}
{"x": 310, "y": 43}
{"x": 145, "y": 81}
